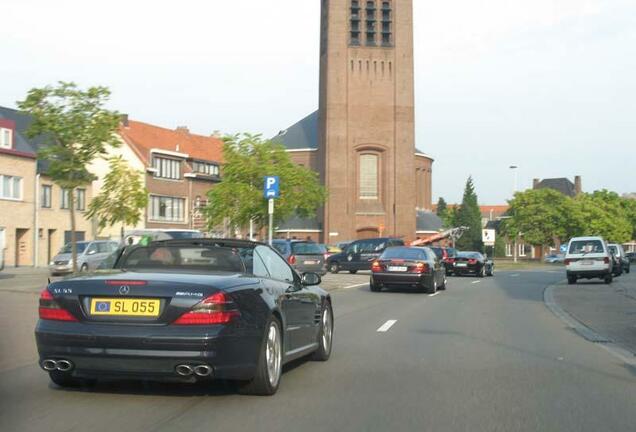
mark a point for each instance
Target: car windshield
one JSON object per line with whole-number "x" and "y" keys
{"x": 472, "y": 255}
{"x": 186, "y": 258}
{"x": 402, "y": 253}
{"x": 81, "y": 247}
{"x": 613, "y": 249}
{"x": 438, "y": 251}
{"x": 451, "y": 252}
{"x": 586, "y": 247}
{"x": 281, "y": 247}
{"x": 180, "y": 235}
{"x": 306, "y": 248}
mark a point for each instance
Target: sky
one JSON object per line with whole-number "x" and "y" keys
{"x": 546, "y": 85}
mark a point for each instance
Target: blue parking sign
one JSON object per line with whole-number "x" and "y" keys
{"x": 272, "y": 187}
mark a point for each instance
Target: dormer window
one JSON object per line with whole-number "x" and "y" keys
{"x": 167, "y": 168}
{"x": 205, "y": 168}
{"x": 6, "y": 138}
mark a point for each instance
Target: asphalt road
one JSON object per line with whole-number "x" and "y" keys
{"x": 486, "y": 355}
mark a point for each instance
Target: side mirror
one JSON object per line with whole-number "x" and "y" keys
{"x": 311, "y": 279}
{"x": 91, "y": 252}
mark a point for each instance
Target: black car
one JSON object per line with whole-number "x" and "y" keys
{"x": 185, "y": 310}
{"x": 447, "y": 255}
{"x": 631, "y": 256}
{"x": 360, "y": 254}
{"x": 473, "y": 263}
{"x": 416, "y": 267}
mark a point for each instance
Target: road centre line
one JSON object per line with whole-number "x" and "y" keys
{"x": 433, "y": 295}
{"x": 356, "y": 285}
{"x": 386, "y": 326}
{"x": 514, "y": 275}
{"x": 475, "y": 282}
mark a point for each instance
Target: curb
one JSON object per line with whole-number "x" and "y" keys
{"x": 584, "y": 331}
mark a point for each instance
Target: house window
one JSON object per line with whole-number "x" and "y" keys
{"x": 386, "y": 23}
{"x": 6, "y": 138}
{"x": 509, "y": 249}
{"x": 369, "y": 176}
{"x": 355, "y": 23}
{"x": 10, "y": 187}
{"x": 371, "y": 22}
{"x": 205, "y": 168}
{"x": 80, "y": 199}
{"x": 167, "y": 168}
{"x": 167, "y": 209}
{"x": 65, "y": 199}
{"x": 46, "y": 196}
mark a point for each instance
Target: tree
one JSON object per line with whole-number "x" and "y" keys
{"x": 77, "y": 129}
{"x": 469, "y": 215}
{"x": 122, "y": 198}
{"x": 602, "y": 213}
{"x": 239, "y": 197}
{"x": 441, "y": 207}
{"x": 629, "y": 205}
{"x": 540, "y": 215}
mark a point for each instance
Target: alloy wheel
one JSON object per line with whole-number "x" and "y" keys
{"x": 327, "y": 329}
{"x": 273, "y": 354}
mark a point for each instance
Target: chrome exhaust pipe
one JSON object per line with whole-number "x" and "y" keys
{"x": 64, "y": 365}
{"x": 49, "y": 365}
{"x": 184, "y": 370}
{"x": 203, "y": 370}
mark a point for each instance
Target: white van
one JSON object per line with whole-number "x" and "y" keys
{"x": 588, "y": 258}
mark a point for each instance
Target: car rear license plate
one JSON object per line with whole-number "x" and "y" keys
{"x": 309, "y": 262}
{"x": 587, "y": 262}
{"x": 397, "y": 269}
{"x": 461, "y": 265}
{"x": 125, "y": 307}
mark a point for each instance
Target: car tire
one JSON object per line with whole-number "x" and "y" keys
{"x": 571, "y": 280}
{"x": 63, "y": 379}
{"x": 334, "y": 268}
{"x": 325, "y": 338}
{"x": 627, "y": 270}
{"x": 374, "y": 287}
{"x": 608, "y": 279}
{"x": 491, "y": 271}
{"x": 84, "y": 268}
{"x": 353, "y": 271}
{"x": 482, "y": 272}
{"x": 432, "y": 289}
{"x": 442, "y": 287}
{"x": 264, "y": 383}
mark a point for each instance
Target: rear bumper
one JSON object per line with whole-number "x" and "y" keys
{"x": 401, "y": 278}
{"x": 589, "y": 274}
{"x": 468, "y": 269}
{"x": 98, "y": 350}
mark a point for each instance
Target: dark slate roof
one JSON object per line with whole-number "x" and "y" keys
{"x": 563, "y": 185}
{"x": 22, "y": 142}
{"x": 427, "y": 221}
{"x": 302, "y": 135}
{"x": 298, "y": 223}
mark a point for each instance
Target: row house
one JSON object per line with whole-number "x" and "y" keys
{"x": 34, "y": 212}
{"x": 179, "y": 169}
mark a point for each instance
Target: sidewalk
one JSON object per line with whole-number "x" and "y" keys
{"x": 23, "y": 279}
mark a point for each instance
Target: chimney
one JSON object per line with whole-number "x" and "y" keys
{"x": 217, "y": 134}
{"x": 535, "y": 183}
{"x": 124, "y": 120}
{"x": 183, "y": 129}
{"x": 578, "y": 186}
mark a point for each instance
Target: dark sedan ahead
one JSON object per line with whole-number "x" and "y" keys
{"x": 185, "y": 310}
{"x": 473, "y": 263}
{"x": 408, "y": 266}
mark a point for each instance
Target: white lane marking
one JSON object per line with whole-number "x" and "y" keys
{"x": 356, "y": 285}
{"x": 386, "y": 326}
{"x": 514, "y": 275}
{"x": 476, "y": 282}
{"x": 433, "y": 295}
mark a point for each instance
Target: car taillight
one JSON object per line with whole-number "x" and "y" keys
{"x": 215, "y": 309}
{"x": 421, "y": 268}
{"x": 472, "y": 261}
{"x": 567, "y": 261}
{"x": 606, "y": 260}
{"x": 376, "y": 267}
{"x": 450, "y": 260}
{"x": 50, "y": 310}
{"x": 292, "y": 259}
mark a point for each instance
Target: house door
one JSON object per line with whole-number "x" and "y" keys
{"x": 49, "y": 245}
{"x": 21, "y": 247}
{"x": 2, "y": 247}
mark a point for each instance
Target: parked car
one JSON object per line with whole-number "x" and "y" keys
{"x": 332, "y": 250}
{"x": 554, "y": 258}
{"x": 360, "y": 254}
{"x": 473, "y": 263}
{"x": 631, "y": 256}
{"x": 447, "y": 255}
{"x": 417, "y": 267}
{"x": 621, "y": 257}
{"x": 90, "y": 254}
{"x": 134, "y": 236}
{"x": 234, "y": 310}
{"x": 305, "y": 256}
{"x": 588, "y": 258}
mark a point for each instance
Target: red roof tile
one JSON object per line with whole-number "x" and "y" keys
{"x": 144, "y": 137}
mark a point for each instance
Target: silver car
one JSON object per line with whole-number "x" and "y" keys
{"x": 89, "y": 255}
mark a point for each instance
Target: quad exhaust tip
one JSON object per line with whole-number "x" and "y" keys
{"x": 199, "y": 370}
{"x": 60, "y": 365}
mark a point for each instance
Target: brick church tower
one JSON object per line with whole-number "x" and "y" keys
{"x": 366, "y": 118}
{"x": 362, "y": 138}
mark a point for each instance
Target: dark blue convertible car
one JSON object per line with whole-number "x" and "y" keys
{"x": 185, "y": 310}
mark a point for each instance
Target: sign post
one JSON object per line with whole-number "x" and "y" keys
{"x": 271, "y": 191}
{"x": 488, "y": 237}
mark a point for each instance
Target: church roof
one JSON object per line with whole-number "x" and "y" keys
{"x": 563, "y": 185}
{"x": 303, "y": 135}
